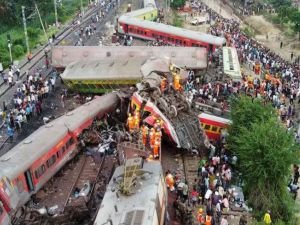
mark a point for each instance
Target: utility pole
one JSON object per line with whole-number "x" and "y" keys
{"x": 37, "y": 9}
{"x": 9, "y": 48}
{"x": 82, "y": 10}
{"x": 25, "y": 30}
{"x": 55, "y": 11}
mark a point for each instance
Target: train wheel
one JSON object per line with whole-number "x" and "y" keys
{"x": 173, "y": 111}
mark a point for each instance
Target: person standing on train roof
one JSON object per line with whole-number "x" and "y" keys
{"x": 130, "y": 123}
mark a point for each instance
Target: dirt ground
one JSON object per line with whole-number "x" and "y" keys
{"x": 275, "y": 36}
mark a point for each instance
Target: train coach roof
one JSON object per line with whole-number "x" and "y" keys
{"x": 192, "y": 57}
{"x": 141, "y": 12}
{"x": 108, "y": 69}
{"x": 142, "y": 203}
{"x": 219, "y": 41}
{"x": 21, "y": 157}
{"x": 214, "y": 118}
{"x": 76, "y": 118}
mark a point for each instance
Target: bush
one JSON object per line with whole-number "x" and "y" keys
{"x": 18, "y": 51}
{"x": 249, "y": 32}
{"x": 177, "y": 21}
{"x": 33, "y": 32}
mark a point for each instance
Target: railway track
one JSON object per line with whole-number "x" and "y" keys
{"x": 59, "y": 198}
{"x": 39, "y": 55}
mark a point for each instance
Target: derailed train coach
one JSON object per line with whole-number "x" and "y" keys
{"x": 30, "y": 164}
{"x": 144, "y": 201}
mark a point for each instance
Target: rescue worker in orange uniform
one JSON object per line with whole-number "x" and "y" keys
{"x": 137, "y": 116}
{"x": 170, "y": 181}
{"x": 130, "y": 123}
{"x": 145, "y": 131}
{"x": 163, "y": 85}
{"x": 152, "y": 137}
{"x": 200, "y": 217}
{"x": 156, "y": 149}
{"x": 157, "y": 124}
{"x": 158, "y": 134}
{"x": 177, "y": 85}
{"x": 208, "y": 220}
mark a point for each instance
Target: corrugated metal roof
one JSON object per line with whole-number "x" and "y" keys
{"x": 160, "y": 27}
{"x": 191, "y": 57}
{"x": 107, "y": 69}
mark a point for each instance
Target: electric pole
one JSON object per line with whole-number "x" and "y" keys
{"x": 37, "y": 9}
{"x": 25, "y": 30}
{"x": 82, "y": 10}
{"x": 55, "y": 11}
{"x": 9, "y": 47}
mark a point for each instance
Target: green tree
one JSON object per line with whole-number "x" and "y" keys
{"x": 295, "y": 19}
{"x": 285, "y": 12}
{"x": 280, "y": 3}
{"x": 266, "y": 152}
{"x": 177, "y": 3}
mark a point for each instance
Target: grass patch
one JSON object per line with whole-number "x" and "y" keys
{"x": 177, "y": 20}
{"x": 249, "y": 32}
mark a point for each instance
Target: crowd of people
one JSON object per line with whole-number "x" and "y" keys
{"x": 210, "y": 193}
{"x": 27, "y": 101}
{"x": 86, "y": 31}
{"x": 274, "y": 80}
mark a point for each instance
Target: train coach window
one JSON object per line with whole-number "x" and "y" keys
{"x": 20, "y": 186}
{"x": 207, "y": 127}
{"x": 214, "y": 129}
{"x": 70, "y": 142}
{"x": 51, "y": 161}
{"x": 40, "y": 171}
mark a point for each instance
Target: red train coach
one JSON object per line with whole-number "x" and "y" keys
{"x": 31, "y": 163}
{"x": 213, "y": 125}
{"x": 169, "y": 34}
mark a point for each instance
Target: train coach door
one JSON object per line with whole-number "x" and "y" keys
{"x": 29, "y": 181}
